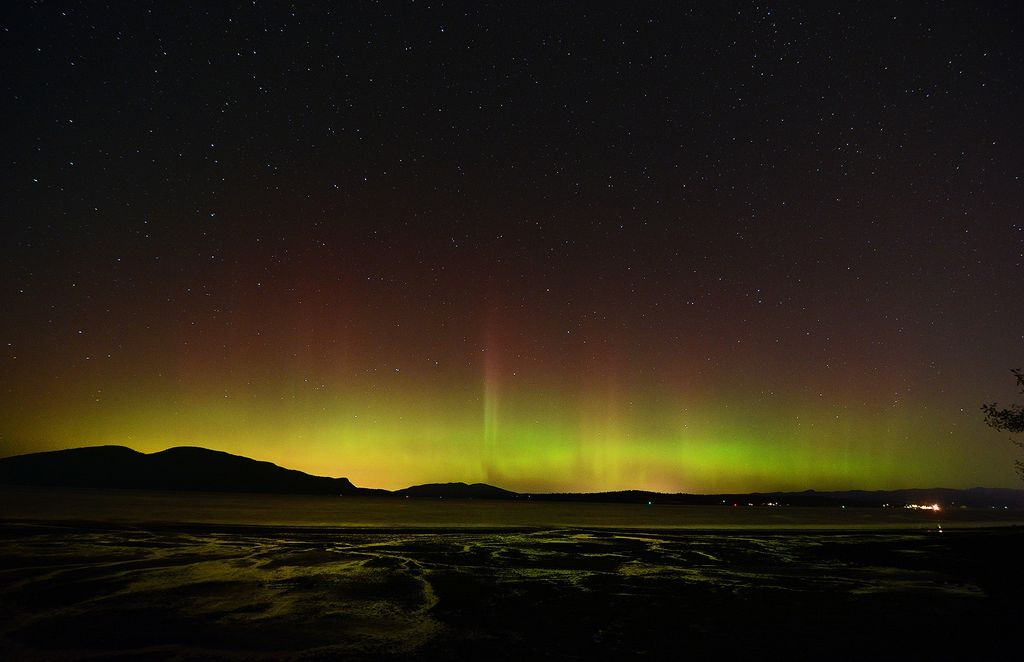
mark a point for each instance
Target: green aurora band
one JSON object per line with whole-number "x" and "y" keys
{"x": 530, "y": 438}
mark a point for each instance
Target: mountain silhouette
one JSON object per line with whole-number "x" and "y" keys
{"x": 180, "y": 468}
{"x": 457, "y": 491}
{"x": 190, "y": 468}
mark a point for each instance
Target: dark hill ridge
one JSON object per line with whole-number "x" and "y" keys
{"x": 182, "y": 468}
{"x": 457, "y": 491}
{"x": 189, "y": 468}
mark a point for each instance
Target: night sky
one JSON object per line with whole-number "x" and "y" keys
{"x": 553, "y": 246}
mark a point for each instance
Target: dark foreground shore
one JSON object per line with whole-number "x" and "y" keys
{"x": 102, "y": 591}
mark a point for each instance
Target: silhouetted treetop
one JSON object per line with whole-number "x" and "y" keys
{"x": 1009, "y": 419}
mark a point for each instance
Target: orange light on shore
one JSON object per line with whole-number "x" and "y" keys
{"x": 914, "y": 506}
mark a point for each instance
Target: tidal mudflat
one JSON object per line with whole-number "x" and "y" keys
{"x": 74, "y": 590}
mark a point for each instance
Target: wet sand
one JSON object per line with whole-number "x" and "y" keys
{"x": 72, "y": 590}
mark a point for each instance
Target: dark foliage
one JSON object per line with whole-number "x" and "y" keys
{"x": 1009, "y": 419}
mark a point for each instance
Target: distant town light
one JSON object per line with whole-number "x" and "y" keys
{"x": 915, "y": 506}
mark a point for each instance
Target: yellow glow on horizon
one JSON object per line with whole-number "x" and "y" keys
{"x": 596, "y": 440}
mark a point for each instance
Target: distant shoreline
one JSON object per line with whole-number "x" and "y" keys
{"x": 202, "y": 470}
{"x": 89, "y": 508}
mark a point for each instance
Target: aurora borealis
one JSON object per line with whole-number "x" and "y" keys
{"x": 549, "y": 247}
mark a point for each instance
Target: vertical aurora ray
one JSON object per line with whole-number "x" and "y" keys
{"x": 492, "y": 376}
{"x": 603, "y": 434}
{"x": 490, "y": 405}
